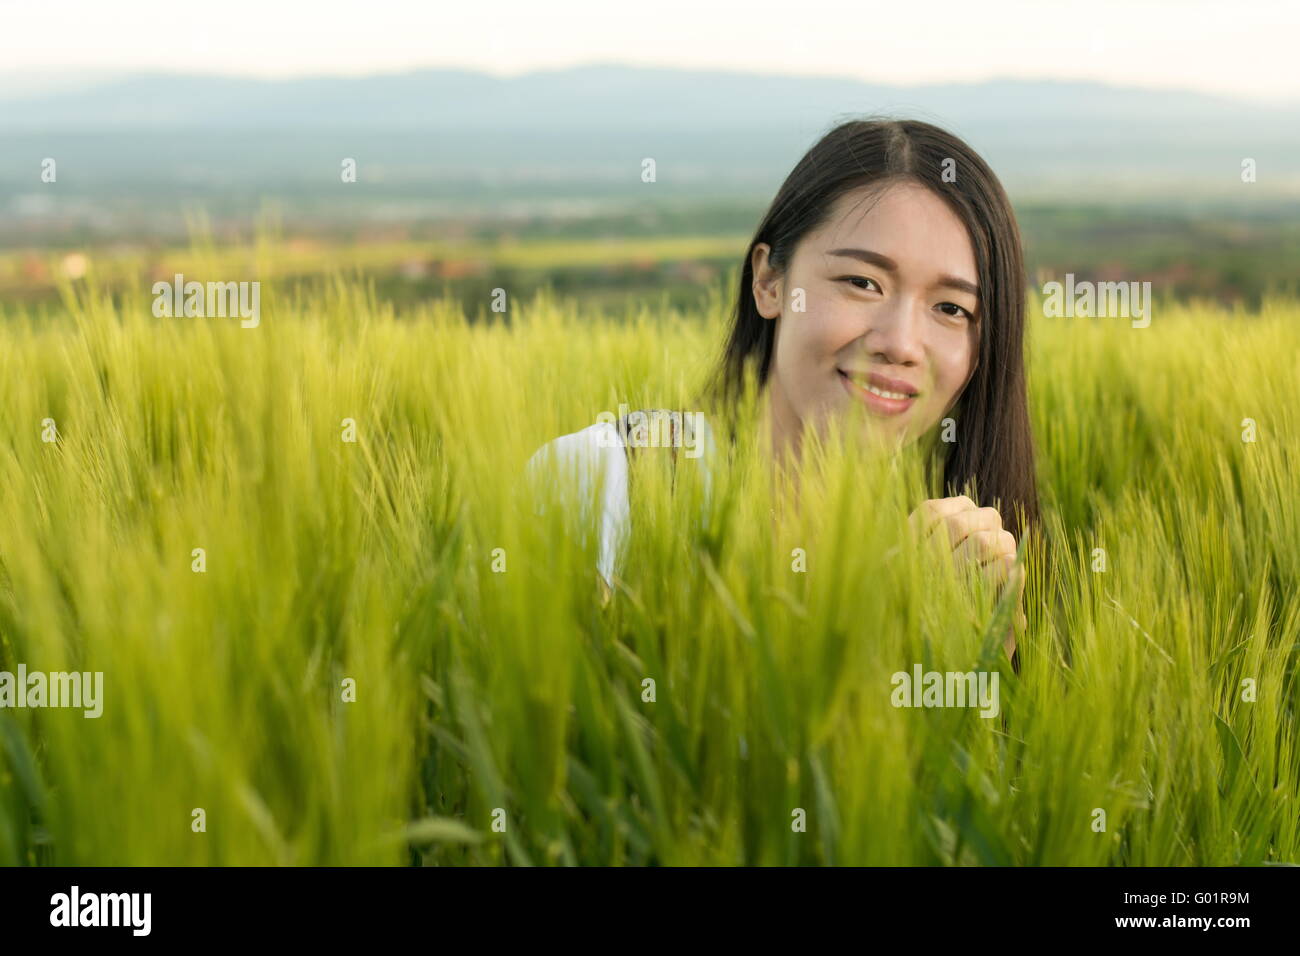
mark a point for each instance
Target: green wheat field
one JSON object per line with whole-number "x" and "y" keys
{"x": 393, "y": 650}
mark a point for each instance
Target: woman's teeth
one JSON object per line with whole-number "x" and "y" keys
{"x": 879, "y": 391}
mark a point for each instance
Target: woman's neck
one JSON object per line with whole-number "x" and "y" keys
{"x": 780, "y": 443}
{"x": 780, "y": 430}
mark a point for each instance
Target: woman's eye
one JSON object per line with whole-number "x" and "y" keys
{"x": 959, "y": 313}
{"x": 854, "y": 280}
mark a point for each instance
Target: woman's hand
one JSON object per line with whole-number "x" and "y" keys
{"x": 977, "y": 537}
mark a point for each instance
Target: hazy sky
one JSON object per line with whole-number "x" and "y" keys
{"x": 1244, "y": 48}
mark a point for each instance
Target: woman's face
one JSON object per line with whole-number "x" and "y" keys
{"x": 889, "y": 302}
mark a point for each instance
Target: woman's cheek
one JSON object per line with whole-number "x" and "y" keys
{"x": 953, "y": 371}
{"x": 830, "y": 331}
{"x": 796, "y": 360}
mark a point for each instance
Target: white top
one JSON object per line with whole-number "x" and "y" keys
{"x": 600, "y": 448}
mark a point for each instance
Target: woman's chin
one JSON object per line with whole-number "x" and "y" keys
{"x": 888, "y": 433}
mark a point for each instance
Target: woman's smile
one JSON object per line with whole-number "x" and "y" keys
{"x": 881, "y": 395}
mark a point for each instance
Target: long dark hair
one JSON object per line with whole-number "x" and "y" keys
{"x": 994, "y": 453}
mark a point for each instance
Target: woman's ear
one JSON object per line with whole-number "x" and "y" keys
{"x": 767, "y": 282}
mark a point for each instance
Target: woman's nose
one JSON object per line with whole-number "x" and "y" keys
{"x": 895, "y": 333}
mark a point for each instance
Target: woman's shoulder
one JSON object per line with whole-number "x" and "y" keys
{"x": 586, "y": 445}
{"x": 601, "y": 452}
{"x": 610, "y": 442}
{"x": 578, "y": 461}
{"x": 684, "y": 432}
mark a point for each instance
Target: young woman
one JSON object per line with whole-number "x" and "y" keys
{"x": 887, "y": 274}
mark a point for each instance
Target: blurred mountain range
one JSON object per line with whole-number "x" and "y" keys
{"x": 438, "y": 141}
{"x": 605, "y": 96}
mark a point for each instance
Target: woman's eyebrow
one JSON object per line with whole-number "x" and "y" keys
{"x": 961, "y": 285}
{"x": 866, "y": 255}
{"x": 889, "y": 265}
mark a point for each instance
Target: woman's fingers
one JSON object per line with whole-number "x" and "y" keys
{"x": 1006, "y": 574}
{"x": 987, "y": 546}
{"x": 1017, "y": 580}
{"x": 960, "y": 516}
{"x": 930, "y": 514}
{"x": 977, "y": 536}
{"x": 964, "y": 524}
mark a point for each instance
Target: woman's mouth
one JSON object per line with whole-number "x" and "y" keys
{"x": 881, "y": 395}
